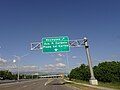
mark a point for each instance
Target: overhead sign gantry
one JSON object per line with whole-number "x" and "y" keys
{"x": 63, "y": 44}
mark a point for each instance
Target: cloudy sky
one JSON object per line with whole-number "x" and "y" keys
{"x": 23, "y": 22}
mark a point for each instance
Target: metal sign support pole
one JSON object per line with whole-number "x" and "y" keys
{"x": 67, "y": 64}
{"x": 93, "y": 81}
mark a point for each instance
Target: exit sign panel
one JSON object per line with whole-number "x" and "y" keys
{"x": 55, "y": 44}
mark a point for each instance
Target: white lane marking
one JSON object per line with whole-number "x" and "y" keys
{"x": 47, "y": 82}
{"x": 25, "y": 86}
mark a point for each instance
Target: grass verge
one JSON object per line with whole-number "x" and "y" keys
{"x": 115, "y": 85}
{"x": 81, "y": 87}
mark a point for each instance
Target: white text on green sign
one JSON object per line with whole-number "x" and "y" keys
{"x": 55, "y": 44}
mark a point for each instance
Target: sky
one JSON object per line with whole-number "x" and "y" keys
{"x": 25, "y": 21}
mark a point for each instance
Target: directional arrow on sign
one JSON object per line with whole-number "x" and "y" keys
{"x": 63, "y": 38}
{"x": 55, "y": 49}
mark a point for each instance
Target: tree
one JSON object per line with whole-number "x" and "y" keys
{"x": 6, "y": 75}
{"x": 108, "y": 71}
{"x": 105, "y": 72}
{"x": 81, "y": 73}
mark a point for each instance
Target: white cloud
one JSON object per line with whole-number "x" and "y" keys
{"x": 60, "y": 54}
{"x": 12, "y": 67}
{"x": 31, "y": 66}
{"x": 60, "y": 65}
{"x": 3, "y": 60}
{"x": 46, "y": 65}
{"x": 3, "y": 63}
{"x": 74, "y": 57}
{"x": 78, "y": 64}
{"x": 26, "y": 68}
{"x": 50, "y": 65}
{"x": 58, "y": 59}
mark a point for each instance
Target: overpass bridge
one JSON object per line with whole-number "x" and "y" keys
{"x": 52, "y": 76}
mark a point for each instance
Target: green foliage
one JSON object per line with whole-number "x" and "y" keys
{"x": 81, "y": 73}
{"x": 105, "y": 72}
{"x": 6, "y": 75}
{"x": 108, "y": 71}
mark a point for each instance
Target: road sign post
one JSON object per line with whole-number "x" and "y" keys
{"x": 55, "y": 44}
{"x": 93, "y": 81}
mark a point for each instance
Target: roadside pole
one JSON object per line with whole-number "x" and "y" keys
{"x": 92, "y": 80}
{"x": 14, "y": 61}
{"x": 18, "y": 69}
{"x": 67, "y": 64}
{"x": 18, "y": 66}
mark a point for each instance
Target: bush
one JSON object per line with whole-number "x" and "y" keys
{"x": 108, "y": 71}
{"x": 81, "y": 73}
{"x": 105, "y": 72}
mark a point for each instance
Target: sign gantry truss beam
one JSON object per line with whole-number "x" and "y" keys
{"x": 72, "y": 43}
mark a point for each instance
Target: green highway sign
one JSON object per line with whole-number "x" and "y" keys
{"x": 55, "y": 44}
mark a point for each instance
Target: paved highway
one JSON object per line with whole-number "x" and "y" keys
{"x": 41, "y": 84}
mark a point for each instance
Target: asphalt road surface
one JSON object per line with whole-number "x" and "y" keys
{"x": 40, "y": 84}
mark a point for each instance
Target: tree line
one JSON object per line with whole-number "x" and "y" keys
{"x": 105, "y": 72}
{"x": 7, "y": 75}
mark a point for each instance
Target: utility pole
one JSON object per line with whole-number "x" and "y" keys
{"x": 67, "y": 66}
{"x": 93, "y": 81}
{"x": 14, "y": 61}
{"x": 18, "y": 59}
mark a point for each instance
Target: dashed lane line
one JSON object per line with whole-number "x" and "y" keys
{"x": 49, "y": 80}
{"x": 25, "y": 86}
